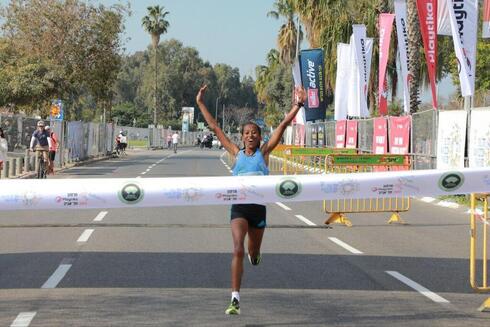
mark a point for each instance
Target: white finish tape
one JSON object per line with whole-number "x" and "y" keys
{"x": 160, "y": 192}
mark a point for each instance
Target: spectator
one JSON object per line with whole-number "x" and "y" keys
{"x": 3, "y": 149}
{"x": 53, "y": 148}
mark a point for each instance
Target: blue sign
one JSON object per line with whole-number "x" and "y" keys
{"x": 56, "y": 110}
{"x": 313, "y": 79}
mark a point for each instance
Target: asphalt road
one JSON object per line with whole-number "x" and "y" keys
{"x": 171, "y": 266}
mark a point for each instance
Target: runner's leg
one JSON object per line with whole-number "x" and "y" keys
{"x": 239, "y": 228}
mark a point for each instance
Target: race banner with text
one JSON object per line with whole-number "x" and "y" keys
{"x": 380, "y": 135}
{"x": 463, "y": 15}
{"x": 104, "y": 193}
{"x": 479, "y": 142}
{"x": 363, "y": 54}
{"x": 399, "y": 134}
{"x": 402, "y": 33}
{"x": 313, "y": 78}
{"x": 427, "y": 10}
{"x": 486, "y": 19}
{"x": 351, "y": 134}
{"x": 299, "y": 119}
{"x": 340, "y": 126}
{"x": 451, "y": 138}
{"x": 342, "y": 80}
{"x": 385, "y": 28}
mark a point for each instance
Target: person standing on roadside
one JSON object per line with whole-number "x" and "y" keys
{"x": 3, "y": 149}
{"x": 175, "y": 140}
{"x": 53, "y": 148}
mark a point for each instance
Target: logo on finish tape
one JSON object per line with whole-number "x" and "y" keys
{"x": 131, "y": 193}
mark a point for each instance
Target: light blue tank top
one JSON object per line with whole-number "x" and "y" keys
{"x": 250, "y": 165}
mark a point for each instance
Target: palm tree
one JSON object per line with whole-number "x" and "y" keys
{"x": 414, "y": 42}
{"x": 155, "y": 24}
{"x": 287, "y": 38}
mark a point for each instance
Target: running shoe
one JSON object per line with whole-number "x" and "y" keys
{"x": 255, "y": 261}
{"x": 234, "y": 308}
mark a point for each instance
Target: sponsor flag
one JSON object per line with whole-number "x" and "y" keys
{"x": 427, "y": 10}
{"x": 380, "y": 132}
{"x": 463, "y": 17}
{"x": 313, "y": 78}
{"x": 400, "y": 134}
{"x": 479, "y": 142}
{"x": 363, "y": 53}
{"x": 443, "y": 24}
{"x": 486, "y": 19}
{"x": 402, "y": 33}
{"x": 340, "y": 133}
{"x": 351, "y": 134}
{"x": 342, "y": 80}
{"x": 300, "y": 116}
{"x": 385, "y": 27}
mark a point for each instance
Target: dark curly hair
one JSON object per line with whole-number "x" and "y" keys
{"x": 251, "y": 123}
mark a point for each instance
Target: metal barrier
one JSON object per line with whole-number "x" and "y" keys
{"x": 482, "y": 215}
{"x": 347, "y": 163}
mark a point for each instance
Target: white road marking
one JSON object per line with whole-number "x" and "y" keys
{"x": 138, "y": 176}
{"x": 58, "y": 275}
{"x": 345, "y": 245}
{"x": 419, "y": 288}
{"x": 23, "y": 319}
{"x": 448, "y": 204}
{"x": 148, "y": 169}
{"x": 282, "y": 205}
{"x": 305, "y": 220}
{"x": 102, "y": 214}
{"x": 85, "y": 235}
{"x": 427, "y": 199}
{"x": 143, "y": 173}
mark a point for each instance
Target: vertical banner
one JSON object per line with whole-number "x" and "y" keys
{"x": 486, "y": 19}
{"x": 351, "y": 138}
{"x": 402, "y": 33}
{"x": 463, "y": 15}
{"x": 340, "y": 133}
{"x": 479, "y": 142}
{"x": 380, "y": 135}
{"x": 385, "y": 27}
{"x": 342, "y": 80}
{"x": 299, "y": 135}
{"x": 451, "y": 138}
{"x": 300, "y": 118}
{"x": 313, "y": 78}
{"x": 56, "y": 111}
{"x": 427, "y": 10}
{"x": 399, "y": 133}
{"x": 443, "y": 24}
{"x": 363, "y": 54}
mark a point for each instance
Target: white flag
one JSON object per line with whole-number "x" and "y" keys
{"x": 342, "y": 81}
{"x": 353, "y": 96}
{"x": 363, "y": 60}
{"x": 443, "y": 24}
{"x": 300, "y": 117}
{"x": 402, "y": 33}
{"x": 463, "y": 15}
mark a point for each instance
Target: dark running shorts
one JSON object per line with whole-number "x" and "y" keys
{"x": 253, "y": 213}
{"x": 52, "y": 154}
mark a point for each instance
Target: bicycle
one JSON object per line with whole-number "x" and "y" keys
{"x": 42, "y": 165}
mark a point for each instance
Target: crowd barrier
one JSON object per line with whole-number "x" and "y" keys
{"x": 479, "y": 212}
{"x": 394, "y": 202}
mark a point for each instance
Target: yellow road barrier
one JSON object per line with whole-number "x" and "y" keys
{"x": 481, "y": 214}
{"x": 348, "y": 163}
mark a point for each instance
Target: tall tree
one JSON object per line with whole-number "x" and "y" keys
{"x": 156, "y": 25}
{"x": 287, "y": 38}
{"x": 414, "y": 45}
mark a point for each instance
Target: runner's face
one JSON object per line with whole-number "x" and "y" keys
{"x": 251, "y": 136}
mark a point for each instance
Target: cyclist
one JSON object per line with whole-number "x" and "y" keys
{"x": 41, "y": 139}
{"x": 122, "y": 142}
{"x": 53, "y": 148}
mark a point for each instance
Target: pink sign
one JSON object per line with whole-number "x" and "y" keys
{"x": 385, "y": 28}
{"x": 340, "y": 133}
{"x": 400, "y": 134}
{"x": 380, "y": 136}
{"x": 351, "y": 141}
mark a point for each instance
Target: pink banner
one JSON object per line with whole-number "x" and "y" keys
{"x": 380, "y": 136}
{"x": 428, "y": 27}
{"x": 351, "y": 139}
{"x": 385, "y": 28}
{"x": 400, "y": 134}
{"x": 340, "y": 133}
{"x": 299, "y": 137}
{"x": 486, "y": 19}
